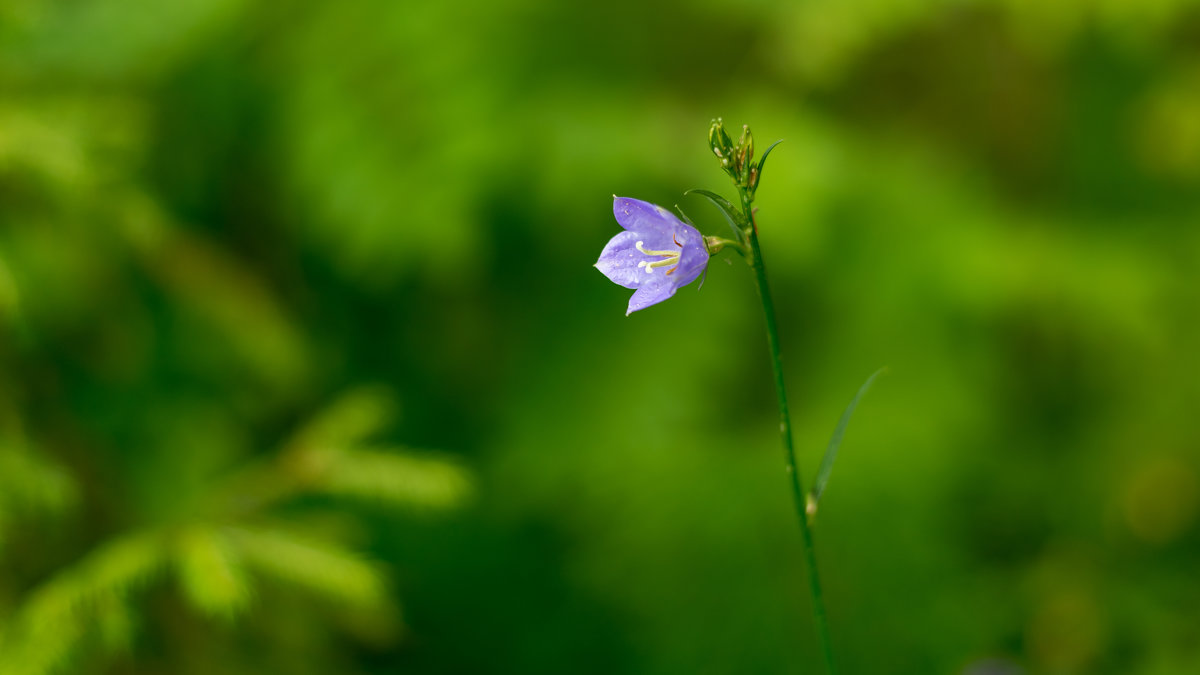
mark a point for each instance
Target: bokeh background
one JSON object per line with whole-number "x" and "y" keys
{"x": 304, "y": 367}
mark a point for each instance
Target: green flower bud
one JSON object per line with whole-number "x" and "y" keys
{"x": 744, "y": 155}
{"x": 721, "y": 144}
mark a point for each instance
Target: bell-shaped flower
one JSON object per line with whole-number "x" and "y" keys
{"x": 656, "y": 254}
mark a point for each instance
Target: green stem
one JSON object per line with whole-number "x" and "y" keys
{"x": 785, "y": 433}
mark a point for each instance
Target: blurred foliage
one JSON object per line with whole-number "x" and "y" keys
{"x": 230, "y": 532}
{"x": 233, "y": 235}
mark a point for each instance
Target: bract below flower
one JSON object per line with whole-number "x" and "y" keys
{"x": 656, "y": 254}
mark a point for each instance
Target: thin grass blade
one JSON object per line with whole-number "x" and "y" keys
{"x": 835, "y": 442}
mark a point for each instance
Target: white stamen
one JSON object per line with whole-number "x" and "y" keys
{"x": 668, "y": 258}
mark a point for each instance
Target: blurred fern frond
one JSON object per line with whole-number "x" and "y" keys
{"x": 396, "y": 478}
{"x": 222, "y": 547}
{"x": 57, "y": 617}
{"x": 211, "y": 573}
{"x": 30, "y": 483}
{"x": 332, "y": 455}
{"x": 319, "y": 566}
{"x": 349, "y": 420}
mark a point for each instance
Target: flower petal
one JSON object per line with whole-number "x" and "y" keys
{"x": 694, "y": 258}
{"x": 651, "y": 293}
{"x": 656, "y": 254}
{"x": 639, "y": 216}
{"x": 619, "y": 260}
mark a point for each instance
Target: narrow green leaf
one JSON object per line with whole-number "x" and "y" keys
{"x": 835, "y": 442}
{"x": 732, "y": 215}
{"x": 763, "y": 160}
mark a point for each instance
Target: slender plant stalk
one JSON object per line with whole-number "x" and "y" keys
{"x": 785, "y": 433}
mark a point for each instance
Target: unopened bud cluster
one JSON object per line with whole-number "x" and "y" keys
{"x": 736, "y": 160}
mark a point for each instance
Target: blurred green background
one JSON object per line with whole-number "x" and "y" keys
{"x": 305, "y": 367}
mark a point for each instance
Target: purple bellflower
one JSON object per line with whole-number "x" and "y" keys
{"x": 656, "y": 254}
